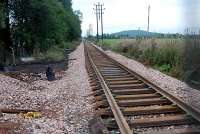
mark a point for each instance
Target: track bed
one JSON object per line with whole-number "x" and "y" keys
{"x": 128, "y": 103}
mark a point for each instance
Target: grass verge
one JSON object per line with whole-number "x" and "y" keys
{"x": 175, "y": 57}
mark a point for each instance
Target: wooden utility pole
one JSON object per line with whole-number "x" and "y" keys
{"x": 102, "y": 22}
{"x": 97, "y": 19}
{"x": 148, "y": 18}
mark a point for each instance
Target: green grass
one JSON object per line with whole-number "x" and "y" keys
{"x": 109, "y": 43}
{"x": 161, "y": 54}
{"x": 56, "y": 53}
{"x": 146, "y": 43}
{"x": 175, "y": 57}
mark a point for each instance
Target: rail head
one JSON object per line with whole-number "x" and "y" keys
{"x": 120, "y": 119}
{"x": 195, "y": 113}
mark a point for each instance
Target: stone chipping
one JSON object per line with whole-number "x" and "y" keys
{"x": 64, "y": 103}
{"x": 172, "y": 85}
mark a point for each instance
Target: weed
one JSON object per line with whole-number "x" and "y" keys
{"x": 176, "y": 57}
{"x": 174, "y": 105}
{"x": 162, "y": 97}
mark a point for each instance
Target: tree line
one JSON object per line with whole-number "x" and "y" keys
{"x": 37, "y": 24}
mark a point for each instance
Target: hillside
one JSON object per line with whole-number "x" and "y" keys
{"x": 135, "y": 33}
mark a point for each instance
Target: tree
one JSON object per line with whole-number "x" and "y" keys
{"x": 1, "y": 31}
{"x": 42, "y": 24}
{"x": 7, "y": 37}
{"x": 1, "y": 14}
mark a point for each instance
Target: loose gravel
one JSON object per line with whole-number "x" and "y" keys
{"x": 176, "y": 87}
{"x": 63, "y": 103}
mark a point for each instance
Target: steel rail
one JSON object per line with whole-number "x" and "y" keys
{"x": 120, "y": 119}
{"x": 195, "y": 113}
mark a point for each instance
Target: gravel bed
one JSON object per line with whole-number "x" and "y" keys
{"x": 160, "y": 129}
{"x": 63, "y": 103}
{"x": 176, "y": 87}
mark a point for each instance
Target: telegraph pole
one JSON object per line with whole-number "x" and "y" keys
{"x": 102, "y": 22}
{"x": 97, "y": 19}
{"x": 148, "y": 18}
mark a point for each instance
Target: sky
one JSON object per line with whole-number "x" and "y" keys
{"x": 166, "y": 16}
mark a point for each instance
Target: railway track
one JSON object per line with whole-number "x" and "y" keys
{"x": 127, "y": 103}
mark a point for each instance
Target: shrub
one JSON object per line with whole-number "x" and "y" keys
{"x": 192, "y": 54}
{"x": 148, "y": 55}
{"x": 164, "y": 68}
{"x": 191, "y": 60}
{"x": 177, "y": 71}
{"x": 106, "y": 46}
{"x": 55, "y": 53}
{"x": 176, "y": 57}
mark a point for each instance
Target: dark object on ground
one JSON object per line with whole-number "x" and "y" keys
{"x": 50, "y": 74}
{"x": 96, "y": 126}
{"x": 1, "y": 67}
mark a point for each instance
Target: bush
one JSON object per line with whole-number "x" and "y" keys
{"x": 54, "y": 54}
{"x": 177, "y": 71}
{"x": 192, "y": 54}
{"x": 191, "y": 60}
{"x": 68, "y": 45}
{"x": 163, "y": 54}
{"x": 148, "y": 55}
{"x": 106, "y": 46}
{"x": 164, "y": 68}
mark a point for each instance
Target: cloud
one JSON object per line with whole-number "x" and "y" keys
{"x": 166, "y": 15}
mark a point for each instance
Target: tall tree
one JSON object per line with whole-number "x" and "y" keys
{"x": 1, "y": 14}
{"x": 1, "y": 31}
{"x": 7, "y": 37}
{"x": 40, "y": 23}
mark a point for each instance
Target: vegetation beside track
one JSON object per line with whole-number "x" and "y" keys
{"x": 176, "y": 57}
{"x": 56, "y": 53}
{"x": 37, "y": 27}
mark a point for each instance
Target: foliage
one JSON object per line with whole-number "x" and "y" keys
{"x": 1, "y": 25}
{"x": 192, "y": 54}
{"x": 54, "y": 54}
{"x": 41, "y": 24}
{"x": 164, "y": 68}
{"x": 162, "y": 55}
{"x": 191, "y": 60}
{"x": 1, "y": 15}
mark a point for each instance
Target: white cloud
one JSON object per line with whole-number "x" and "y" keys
{"x": 166, "y": 15}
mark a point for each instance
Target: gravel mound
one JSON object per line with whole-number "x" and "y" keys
{"x": 63, "y": 103}
{"x": 176, "y": 87}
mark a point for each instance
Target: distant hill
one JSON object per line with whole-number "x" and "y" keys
{"x": 135, "y": 33}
